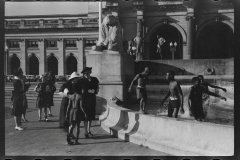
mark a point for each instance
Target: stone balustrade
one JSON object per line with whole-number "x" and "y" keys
{"x": 51, "y": 23}
{"x": 36, "y": 78}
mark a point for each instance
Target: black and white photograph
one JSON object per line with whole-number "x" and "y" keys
{"x": 120, "y": 78}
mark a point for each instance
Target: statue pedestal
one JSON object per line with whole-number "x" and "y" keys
{"x": 114, "y": 70}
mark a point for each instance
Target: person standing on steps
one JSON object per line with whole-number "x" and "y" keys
{"x": 141, "y": 91}
{"x": 176, "y": 96}
{"x": 90, "y": 89}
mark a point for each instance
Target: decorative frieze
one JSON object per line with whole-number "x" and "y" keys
{"x": 51, "y": 22}
{"x": 32, "y": 22}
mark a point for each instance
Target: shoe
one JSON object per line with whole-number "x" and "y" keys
{"x": 90, "y": 133}
{"x": 72, "y": 137}
{"x": 86, "y": 135}
{"x": 46, "y": 120}
{"x": 76, "y": 143}
{"x": 19, "y": 128}
{"x": 69, "y": 143}
{"x": 24, "y": 120}
{"x": 143, "y": 112}
{"x": 50, "y": 115}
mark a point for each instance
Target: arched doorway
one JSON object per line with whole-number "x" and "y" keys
{"x": 170, "y": 34}
{"x": 14, "y": 63}
{"x": 215, "y": 41}
{"x": 53, "y": 64}
{"x": 33, "y": 65}
{"x": 71, "y": 64}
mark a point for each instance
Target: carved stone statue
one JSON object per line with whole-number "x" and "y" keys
{"x": 139, "y": 41}
{"x": 161, "y": 41}
{"x": 110, "y": 35}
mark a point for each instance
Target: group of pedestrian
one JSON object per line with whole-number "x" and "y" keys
{"x": 45, "y": 88}
{"x": 78, "y": 103}
{"x": 175, "y": 95}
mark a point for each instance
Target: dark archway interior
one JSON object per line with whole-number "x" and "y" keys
{"x": 170, "y": 34}
{"x": 71, "y": 65}
{"x": 215, "y": 42}
{"x": 53, "y": 65}
{"x": 15, "y": 63}
{"x": 33, "y": 65}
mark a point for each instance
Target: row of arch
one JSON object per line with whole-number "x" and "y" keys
{"x": 213, "y": 40}
{"x": 52, "y": 64}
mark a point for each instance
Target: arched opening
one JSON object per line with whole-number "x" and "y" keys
{"x": 14, "y": 63}
{"x": 71, "y": 64}
{"x": 170, "y": 34}
{"x": 53, "y": 64}
{"x": 215, "y": 41}
{"x": 33, "y": 65}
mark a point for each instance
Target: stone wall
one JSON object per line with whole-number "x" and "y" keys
{"x": 188, "y": 67}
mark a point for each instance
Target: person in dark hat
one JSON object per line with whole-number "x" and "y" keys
{"x": 90, "y": 89}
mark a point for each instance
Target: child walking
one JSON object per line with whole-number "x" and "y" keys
{"x": 76, "y": 112}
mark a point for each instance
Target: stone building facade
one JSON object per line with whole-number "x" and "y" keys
{"x": 42, "y": 43}
{"x": 201, "y": 29}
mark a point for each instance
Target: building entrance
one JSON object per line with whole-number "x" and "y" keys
{"x": 71, "y": 65}
{"x": 14, "y": 63}
{"x": 215, "y": 41}
{"x": 170, "y": 34}
{"x": 33, "y": 65}
{"x": 53, "y": 64}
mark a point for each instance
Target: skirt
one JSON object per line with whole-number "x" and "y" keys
{"x": 76, "y": 115}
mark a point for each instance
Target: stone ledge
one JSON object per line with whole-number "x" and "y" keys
{"x": 174, "y": 136}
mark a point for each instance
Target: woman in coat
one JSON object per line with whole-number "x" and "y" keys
{"x": 90, "y": 89}
{"x": 18, "y": 98}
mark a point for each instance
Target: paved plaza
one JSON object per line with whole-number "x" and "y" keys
{"x": 45, "y": 139}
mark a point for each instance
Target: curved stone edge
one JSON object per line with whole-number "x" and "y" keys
{"x": 174, "y": 136}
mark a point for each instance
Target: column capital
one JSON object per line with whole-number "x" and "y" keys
{"x": 79, "y": 39}
{"x": 60, "y": 39}
{"x": 40, "y": 40}
{"x": 190, "y": 18}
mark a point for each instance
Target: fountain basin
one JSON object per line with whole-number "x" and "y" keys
{"x": 180, "y": 137}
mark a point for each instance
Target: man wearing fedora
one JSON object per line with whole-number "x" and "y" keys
{"x": 90, "y": 89}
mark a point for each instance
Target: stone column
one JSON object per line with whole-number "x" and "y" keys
{"x": 23, "y": 56}
{"x": 42, "y": 55}
{"x": 140, "y": 26}
{"x": 100, "y": 16}
{"x": 61, "y": 63}
{"x": 81, "y": 55}
{"x": 190, "y": 38}
{"x": 6, "y": 59}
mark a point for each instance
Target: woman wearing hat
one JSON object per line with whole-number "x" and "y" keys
{"x": 90, "y": 89}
